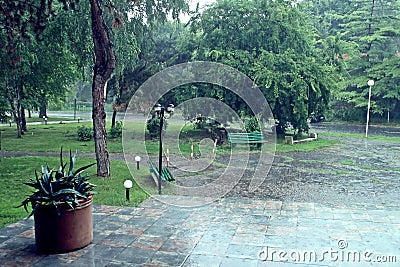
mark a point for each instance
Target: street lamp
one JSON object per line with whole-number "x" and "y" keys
{"x": 75, "y": 108}
{"x": 160, "y": 112}
{"x": 137, "y": 159}
{"x": 370, "y": 84}
{"x": 128, "y": 185}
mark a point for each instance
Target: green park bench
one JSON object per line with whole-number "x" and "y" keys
{"x": 246, "y": 138}
{"x": 166, "y": 174}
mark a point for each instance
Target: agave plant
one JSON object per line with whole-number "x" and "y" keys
{"x": 55, "y": 187}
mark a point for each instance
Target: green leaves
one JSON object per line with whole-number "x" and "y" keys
{"x": 273, "y": 43}
{"x": 55, "y": 187}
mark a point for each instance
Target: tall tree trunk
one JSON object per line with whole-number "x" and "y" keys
{"x": 23, "y": 120}
{"x": 103, "y": 68}
{"x": 29, "y": 113}
{"x": 14, "y": 99}
{"x": 43, "y": 106}
{"x": 114, "y": 117}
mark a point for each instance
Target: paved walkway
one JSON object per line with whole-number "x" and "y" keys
{"x": 229, "y": 232}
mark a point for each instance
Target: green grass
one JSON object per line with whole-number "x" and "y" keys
{"x": 305, "y": 146}
{"x": 14, "y": 171}
{"x": 390, "y": 139}
{"x": 49, "y": 138}
{"x": 58, "y": 119}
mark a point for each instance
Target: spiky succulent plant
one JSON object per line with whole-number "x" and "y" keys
{"x": 55, "y": 187}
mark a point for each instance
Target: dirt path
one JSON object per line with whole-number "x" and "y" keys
{"x": 352, "y": 171}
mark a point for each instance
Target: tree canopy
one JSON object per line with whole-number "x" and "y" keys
{"x": 273, "y": 43}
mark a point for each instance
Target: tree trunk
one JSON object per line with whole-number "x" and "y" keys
{"x": 29, "y": 113}
{"x": 114, "y": 116}
{"x": 23, "y": 120}
{"x": 15, "y": 109}
{"x": 103, "y": 68}
{"x": 43, "y": 106}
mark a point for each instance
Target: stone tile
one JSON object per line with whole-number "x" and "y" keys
{"x": 163, "y": 258}
{"x": 134, "y": 255}
{"x": 273, "y": 205}
{"x": 243, "y": 251}
{"x": 177, "y": 246}
{"x": 292, "y": 206}
{"x": 284, "y": 241}
{"x": 238, "y": 262}
{"x": 283, "y": 221}
{"x": 210, "y": 249}
{"x": 252, "y": 239}
{"x": 378, "y": 216}
{"x": 252, "y": 228}
{"x": 360, "y": 215}
{"x": 90, "y": 262}
{"x": 255, "y": 219}
{"x": 118, "y": 240}
{"x": 149, "y": 242}
{"x": 103, "y": 252}
{"x": 281, "y": 230}
{"x": 196, "y": 260}
{"x": 218, "y": 236}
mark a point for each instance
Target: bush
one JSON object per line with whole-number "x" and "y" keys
{"x": 85, "y": 133}
{"x": 153, "y": 126}
{"x": 116, "y": 131}
{"x": 252, "y": 125}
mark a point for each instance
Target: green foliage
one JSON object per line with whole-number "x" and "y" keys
{"x": 116, "y": 131}
{"x": 252, "y": 125}
{"x": 153, "y": 126}
{"x": 273, "y": 43}
{"x": 85, "y": 133}
{"x": 55, "y": 187}
{"x": 366, "y": 45}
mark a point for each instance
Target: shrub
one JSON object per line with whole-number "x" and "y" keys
{"x": 116, "y": 131}
{"x": 85, "y": 133}
{"x": 153, "y": 126}
{"x": 252, "y": 125}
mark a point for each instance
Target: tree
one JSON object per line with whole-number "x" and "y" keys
{"x": 105, "y": 61}
{"x": 154, "y": 48}
{"x": 273, "y": 43}
{"x": 21, "y": 28}
{"x": 23, "y": 18}
{"x": 370, "y": 33}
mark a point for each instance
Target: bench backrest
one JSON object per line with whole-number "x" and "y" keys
{"x": 245, "y": 137}
{"x": 165, "y": 172}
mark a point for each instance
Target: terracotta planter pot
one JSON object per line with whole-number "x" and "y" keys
{"x": 70, "y": 231}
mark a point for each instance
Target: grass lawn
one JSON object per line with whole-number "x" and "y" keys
{"x": 14, "y": 171}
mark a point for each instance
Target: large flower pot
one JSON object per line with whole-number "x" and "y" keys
{"x": 70, "y": 231}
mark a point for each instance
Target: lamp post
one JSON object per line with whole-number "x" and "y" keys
{"x": 160, "y": 112}
{"x": 74, "y": 108}
{"x": 137, "y": 159}
{"x": 370, "y": 84}
{"x": 128, "y": 185}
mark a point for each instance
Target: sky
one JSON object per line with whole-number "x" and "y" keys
{"x": 192, "y": 4}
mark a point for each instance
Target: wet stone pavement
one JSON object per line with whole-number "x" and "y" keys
{"x": 229, "y": 232}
